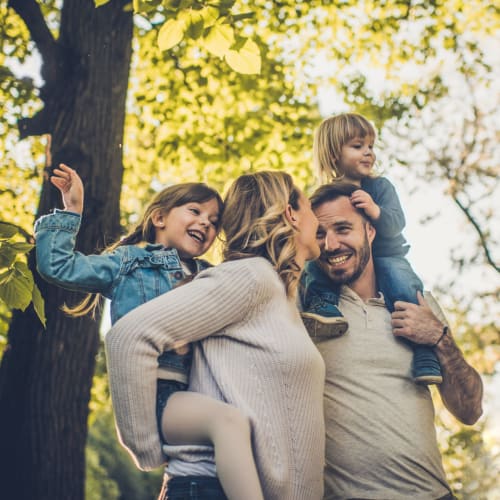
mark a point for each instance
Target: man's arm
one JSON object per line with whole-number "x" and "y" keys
{"x": 462, "y": 388}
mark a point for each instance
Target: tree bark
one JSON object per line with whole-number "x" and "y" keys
{"x": 46, "y": 375}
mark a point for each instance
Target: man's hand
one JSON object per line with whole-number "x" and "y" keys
{"x": 69, "y": 183}
{"x": 362, "y": 200}
{"x": 416, "y": 322}
{"x": 462, "y": 388}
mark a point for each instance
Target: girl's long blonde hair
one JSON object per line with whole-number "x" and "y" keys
{"x": 170, "y": 197}
{"x": 254, "y": 222}
{"x": 330, "y": 137}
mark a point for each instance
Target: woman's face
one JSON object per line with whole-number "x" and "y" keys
{"x": 306, "y": 224}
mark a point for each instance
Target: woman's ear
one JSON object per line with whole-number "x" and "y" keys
{"x": 291, "y": 215}
{"x": 158, "y": 219}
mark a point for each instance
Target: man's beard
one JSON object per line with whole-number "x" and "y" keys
{"x": 341, "y": 276}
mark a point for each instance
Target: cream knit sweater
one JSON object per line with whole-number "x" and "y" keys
{"x": 254, "y": 354}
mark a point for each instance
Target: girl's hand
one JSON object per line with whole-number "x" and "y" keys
{"x": 71, "y": 186}
{"x": 362, "y": 200}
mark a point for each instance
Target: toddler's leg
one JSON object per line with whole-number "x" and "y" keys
{"x": 193, "y": 418}
{"x": 320, "y": 298}
{"x": 397, "y": 281}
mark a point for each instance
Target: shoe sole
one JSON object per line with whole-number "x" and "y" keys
{"x": 323, "y": 328}
{"x": 428, "y": 379}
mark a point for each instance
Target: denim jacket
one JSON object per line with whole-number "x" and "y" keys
{"x": 128, "y": 276}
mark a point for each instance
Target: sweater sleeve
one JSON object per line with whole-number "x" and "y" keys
{"x": 217, "y": 298}
{"x": 59, "y": 263}
{"x": 392, "y": 220}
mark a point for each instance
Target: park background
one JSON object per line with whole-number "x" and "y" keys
{"x": 139, "y": 96}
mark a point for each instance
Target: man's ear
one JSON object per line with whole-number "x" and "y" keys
{"x": 158, "y": 219}
{"x": 371, "y": 232}
{"x": 291, "y": 215}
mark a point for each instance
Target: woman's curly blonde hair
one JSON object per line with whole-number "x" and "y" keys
{"x": 254, "y": 222}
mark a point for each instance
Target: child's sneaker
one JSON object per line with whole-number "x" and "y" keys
{"x": 426, "y": 367}
{"x": 324, "y": 321}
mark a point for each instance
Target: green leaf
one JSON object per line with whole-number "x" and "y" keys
{"x": 209, "y": 16}
{"x": 247, "y": 60}
{"x": 39, "y": 304}
{"x": 223, "y": 4}
{"x": 219, "y": 39}
{"x": 98, "y": 3}
{"x": 20, "y": 247}
{"x": 6, "y": 275}
{"x": 7, "y": 254}
{"x": 17, "y": 289}
{"x": 195, "y": 24}
{"x": 171, "y": 33}
{"x": 245, "y": 15}
{"x": 7, "y": 230}
{"x": 22, "y": 268}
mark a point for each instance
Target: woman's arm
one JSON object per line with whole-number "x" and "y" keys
{"x": 217, "y": 298}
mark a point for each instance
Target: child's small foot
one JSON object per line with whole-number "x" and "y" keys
{"x": 426, "y": 367}
{"x": 324, "y": 327}
{"x": 428, "y": 379}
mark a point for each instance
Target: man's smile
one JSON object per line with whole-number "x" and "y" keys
{"x": 336, "y": 260}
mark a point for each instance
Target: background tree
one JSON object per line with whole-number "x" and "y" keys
{"x": 46, "y": 376}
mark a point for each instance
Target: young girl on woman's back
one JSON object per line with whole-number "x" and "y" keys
{"x": 179, "y": 225}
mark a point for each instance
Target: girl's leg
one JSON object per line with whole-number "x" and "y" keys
{"x": 193, "y": 418}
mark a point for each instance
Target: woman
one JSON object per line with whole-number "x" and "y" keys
{"x": 254, "y": 352}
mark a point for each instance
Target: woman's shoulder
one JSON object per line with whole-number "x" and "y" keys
{"x": 254, "y": 265}
{"x": 255, "y": 271}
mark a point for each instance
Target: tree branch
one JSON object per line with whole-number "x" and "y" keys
{"x": 479, "y": 231}
{"x": 29, "y": 11}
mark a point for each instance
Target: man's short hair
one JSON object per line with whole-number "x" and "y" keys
{"x": 332, "y": 191}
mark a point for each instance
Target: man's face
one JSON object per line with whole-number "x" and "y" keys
{"x": 345, "y": 239}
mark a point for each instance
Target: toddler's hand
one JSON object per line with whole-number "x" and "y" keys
{"x": 71, "y": 186}
{"x": 362, "y": 200}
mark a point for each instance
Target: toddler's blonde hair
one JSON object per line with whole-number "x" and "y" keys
{"x": 330, "y": 137}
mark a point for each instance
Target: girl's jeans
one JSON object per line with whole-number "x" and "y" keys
{"x": 191, "y": 488}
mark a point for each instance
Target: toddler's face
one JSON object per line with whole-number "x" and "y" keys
{"x": 357, "y": 158}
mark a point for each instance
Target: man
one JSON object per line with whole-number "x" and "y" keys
{"x": 381, "y": 442}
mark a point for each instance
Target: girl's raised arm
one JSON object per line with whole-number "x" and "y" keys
{"x": 71, "y": 186}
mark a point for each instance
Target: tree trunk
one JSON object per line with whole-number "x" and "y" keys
{"x": 46, "y": 375}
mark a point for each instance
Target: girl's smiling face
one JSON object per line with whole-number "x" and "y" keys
{"x": 190, "y": 228}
